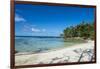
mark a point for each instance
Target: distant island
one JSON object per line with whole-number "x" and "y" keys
{"x": 40, "y": 36}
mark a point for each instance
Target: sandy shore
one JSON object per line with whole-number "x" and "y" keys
{"x": 76, "y": 53}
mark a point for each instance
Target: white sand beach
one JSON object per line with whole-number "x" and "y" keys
{"x": 76, "y": 53}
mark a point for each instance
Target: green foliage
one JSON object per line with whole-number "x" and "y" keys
{"x": 84, "y": 30}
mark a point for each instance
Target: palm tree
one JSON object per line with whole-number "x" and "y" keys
{"x": 84, "y": 30}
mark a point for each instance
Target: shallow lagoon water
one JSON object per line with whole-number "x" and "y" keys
{"x": 33, "y": 44}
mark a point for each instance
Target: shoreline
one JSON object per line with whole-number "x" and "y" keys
{"x": 61, "y": 55}
{"x": 45, "y": 51}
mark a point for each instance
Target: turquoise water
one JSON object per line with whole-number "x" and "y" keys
{"x": 34, "y": 44}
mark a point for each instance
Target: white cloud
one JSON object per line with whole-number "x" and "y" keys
{"x": 38, "y": 30}
{"x": 19, "y": 18}
{"x": 35, "y": 30}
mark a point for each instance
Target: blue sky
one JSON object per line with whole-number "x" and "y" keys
{"x": 42, "y": 20}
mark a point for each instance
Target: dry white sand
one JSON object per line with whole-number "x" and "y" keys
{"x": 76, "y": 53}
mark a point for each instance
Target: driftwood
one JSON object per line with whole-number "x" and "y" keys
{"x": 89, "y": 53}
{"x": 80, "y": 52}
{"x": 80, "y": 56}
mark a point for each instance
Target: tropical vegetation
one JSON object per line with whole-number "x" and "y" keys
{"x": 83, "y": 30}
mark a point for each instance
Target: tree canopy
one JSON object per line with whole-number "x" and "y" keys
{"x": 84, "y": 30}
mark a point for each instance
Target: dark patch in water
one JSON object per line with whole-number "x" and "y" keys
{"x": 26, "y": 43}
